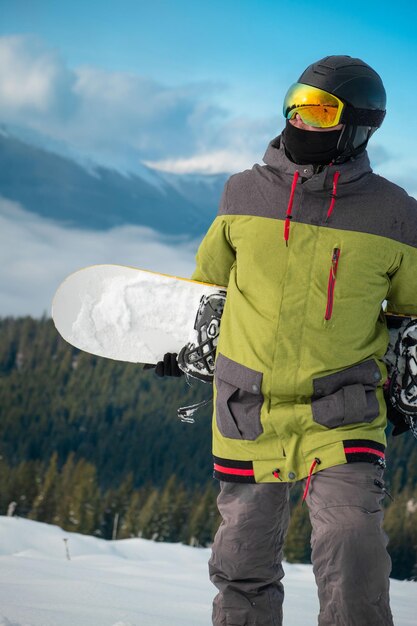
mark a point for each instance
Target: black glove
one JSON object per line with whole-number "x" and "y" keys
{"x": 167, "y": 367}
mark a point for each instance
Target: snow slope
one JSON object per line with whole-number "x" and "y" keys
{"x": 132, "y": 582}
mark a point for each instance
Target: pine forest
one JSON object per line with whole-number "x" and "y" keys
{"x": 96, "y": 446}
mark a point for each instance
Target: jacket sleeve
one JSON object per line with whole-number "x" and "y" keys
{"x": 402, "y": 297}
{"x": 216, "y": 253}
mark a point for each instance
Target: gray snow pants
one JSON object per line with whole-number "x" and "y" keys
{"x": 350, "y": 561}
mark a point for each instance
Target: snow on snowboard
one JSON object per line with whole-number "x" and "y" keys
{"x": 128, "y": 314}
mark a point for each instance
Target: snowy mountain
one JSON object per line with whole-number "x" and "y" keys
{"x": 49, "y": 180}
{"x": 49, "y": 577}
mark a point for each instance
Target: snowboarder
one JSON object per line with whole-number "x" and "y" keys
{"x": 310, "y": 245}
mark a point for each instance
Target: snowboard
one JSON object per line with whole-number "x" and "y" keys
{"x": 128, "y": 314}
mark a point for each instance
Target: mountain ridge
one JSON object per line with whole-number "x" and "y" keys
{"x": 95, "y": 197}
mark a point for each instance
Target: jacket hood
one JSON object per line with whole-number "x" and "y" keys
{"x": 276, "y": 158}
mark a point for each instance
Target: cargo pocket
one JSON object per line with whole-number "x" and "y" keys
{"x": 238, "y": 400}
{"x": 347, "y": 397}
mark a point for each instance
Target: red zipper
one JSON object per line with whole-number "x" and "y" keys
{"x": 331, "y": 284}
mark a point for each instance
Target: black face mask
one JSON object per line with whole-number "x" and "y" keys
{"x": 309, "y": 147}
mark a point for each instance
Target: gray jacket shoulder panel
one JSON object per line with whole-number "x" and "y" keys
{"x": 258, "y": 192}
{"x": 387, "y": 210}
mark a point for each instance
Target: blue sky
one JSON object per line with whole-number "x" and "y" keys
{"x": 219, "y": 68}
{"x": 254, "y": 46}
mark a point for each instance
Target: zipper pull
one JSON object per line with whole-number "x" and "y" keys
{"x": 381, "y": 486}
{"x": 335, "y": 261}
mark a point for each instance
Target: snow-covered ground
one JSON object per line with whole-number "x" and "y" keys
{"x": 132, "y": 582}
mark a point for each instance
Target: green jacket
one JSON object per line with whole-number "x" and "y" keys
{"x": 308, "y": 258}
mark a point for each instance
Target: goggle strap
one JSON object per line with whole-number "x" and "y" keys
{"x": 363, "y": 117}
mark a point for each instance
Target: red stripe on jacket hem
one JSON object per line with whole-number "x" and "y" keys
{"x": 234, "y": 470}
{"x": 365, "y": 450}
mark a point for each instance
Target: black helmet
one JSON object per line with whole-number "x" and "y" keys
{"x": 360, "y": 88}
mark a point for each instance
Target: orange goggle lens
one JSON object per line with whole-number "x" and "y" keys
{"x": 315, "y": 107}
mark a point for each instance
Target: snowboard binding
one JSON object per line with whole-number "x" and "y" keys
{"x": 197, "y": 357}
{"x": 401, "y": 361}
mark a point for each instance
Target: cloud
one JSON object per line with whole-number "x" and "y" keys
{"x": 244, "y": 142}
{"x": 110, "y": 112}
{"x": 34, "y": 81}
{"x": 121, "y": 119}
{"x": 153, "y": 120}
{"x": 46, "y": 253}
{"x": 206, "y": 163}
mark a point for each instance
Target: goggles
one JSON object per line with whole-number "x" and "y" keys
{"x": 315, "y": 107}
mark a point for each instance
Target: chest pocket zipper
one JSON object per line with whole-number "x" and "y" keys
{"x": 332, "y": 283}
